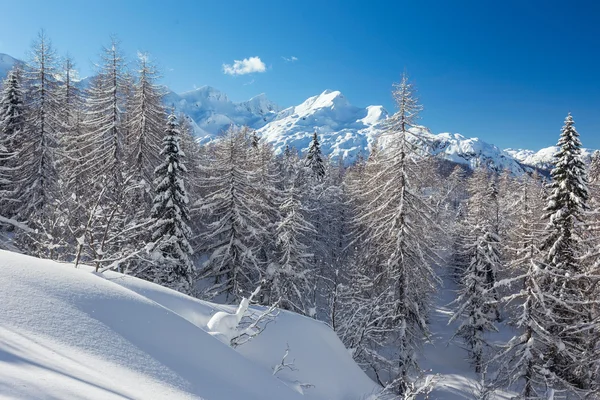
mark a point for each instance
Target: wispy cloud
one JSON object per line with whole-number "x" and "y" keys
{"x": 249, "y": 83}
{"x": 245, "y": 66}
{"x": 290, "y": 59}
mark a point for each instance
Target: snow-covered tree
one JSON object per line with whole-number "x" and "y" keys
{"x": 12, "y": 121}
{"x": 396, "y": 252}
{"x": 557, "y": 348}
{"x": 314, "y": 159}
{"x": 170, "y": 232}
{"x": 290, "y": 278}
{"x": 145, "y": 122}
{"x": 37, "y": 148}
{"x": 104, "y": 132}
{"x": 232, "y": 227}
{"x": 568, "y": 282}
{"x": 477, "y": 300}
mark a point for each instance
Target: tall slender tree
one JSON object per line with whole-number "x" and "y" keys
{"x": 170, "y": 232}
{"x": 12, "y": 122}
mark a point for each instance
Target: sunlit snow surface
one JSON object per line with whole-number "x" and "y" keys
{"x": 68, "y": 333}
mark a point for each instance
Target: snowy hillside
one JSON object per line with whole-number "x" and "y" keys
{"x": 543, "y": 158}
{"x": 6, "y": 64}
{"x": 71, "y": 333}
{"x": 212, "y": 112}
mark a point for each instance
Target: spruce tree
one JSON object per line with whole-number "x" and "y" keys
{"x": 170, "y": 232}
{"x": 558, "y": 347}
{"x": 314, "y": 159}
{"x": 12, "y": 121}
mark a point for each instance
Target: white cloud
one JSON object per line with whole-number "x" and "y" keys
{"x": 245, "y": 66}
{"x": 249, "y": 83}
{"x": 290, "y": 59}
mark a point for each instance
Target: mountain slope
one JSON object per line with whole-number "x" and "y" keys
{"x": 212, "y": 112}
{"x": 344, "y": 130}
{"x": 6, "y": 64}
{"x": 71, "y": 333}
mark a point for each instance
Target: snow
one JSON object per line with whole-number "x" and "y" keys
{"x": 344, "y": 130}
{"x": 6, "y": 64}
{"x": 71, "y": 333}
{"x": 543, "y": 158}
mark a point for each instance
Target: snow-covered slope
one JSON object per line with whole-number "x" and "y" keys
{"x": 543, "y": 158}
{"x": 212, "y": 112}
{"x": 71, "y": 333}
{"x": 344, "y": 130}
{"x": 6, "y": 64}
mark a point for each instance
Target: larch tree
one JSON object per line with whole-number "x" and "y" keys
{"x": 145, "y": 123}
{"x": 477, "y": 299}
{"x": 290, "y": 278}
{"x": 170, "y": 232}
{"x": 37, "y": 148}
{"x": 232, "y": 227}
{"x": 393, "y": 235}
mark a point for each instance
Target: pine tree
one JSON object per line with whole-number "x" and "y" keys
{"x": 12, "y": 121}
{"x": 314, "y": 159}
{"x": 170, "y": 232}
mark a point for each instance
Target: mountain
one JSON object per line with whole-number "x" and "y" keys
{"x": 344, "y": 130}
{"x": 212, "y": 112}
{"x": 6, "y": 64}
{"x": 542, "y": 159}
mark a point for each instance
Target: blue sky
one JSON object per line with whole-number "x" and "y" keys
{"x": 505, "y": 71}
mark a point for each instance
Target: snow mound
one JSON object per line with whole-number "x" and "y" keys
{"x": 71, "y": 333}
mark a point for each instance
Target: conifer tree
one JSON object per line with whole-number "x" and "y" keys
{"x": 170, "y": 232}
{"x": 104, "y": 130}
{"x": 37, "y": 148}
{"x": 232, "y": 227}
{"x": 393, "y": 233}
{"x": 290, "y": 278}
{"x": 314, "y": 159}
{"x": 567, "y": 281}
{"x": 12, "y": 121}
{"x": 477, "y": 300}
{"x": 145, "y": 122}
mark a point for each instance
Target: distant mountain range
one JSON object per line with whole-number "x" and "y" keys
{"x": 344, "y": 130}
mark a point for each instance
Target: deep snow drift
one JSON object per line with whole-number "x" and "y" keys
{"x": 71, "y": 333}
